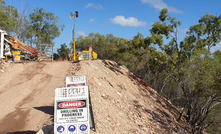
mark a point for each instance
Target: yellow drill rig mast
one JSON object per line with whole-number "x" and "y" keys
{"x": 74, "y": 56}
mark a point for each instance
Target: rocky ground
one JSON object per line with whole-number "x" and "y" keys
{"x": 121, "y": 104}
{"x": 3, "y": 66}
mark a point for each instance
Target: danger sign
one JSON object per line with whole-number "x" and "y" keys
{"x": 71, "y": 104}
{"x": 72, "y": 110}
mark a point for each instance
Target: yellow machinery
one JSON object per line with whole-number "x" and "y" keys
{"x": 16, "y": 56}
{"x": 93, "y": 54}
{"x": 6, "y": 43}
{"x": 86, "y": 55}
{"x": 31, "y": 51}
{"x": 75, "y": 56}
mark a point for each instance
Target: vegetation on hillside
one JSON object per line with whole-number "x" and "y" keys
{"x": 186, "y": 72}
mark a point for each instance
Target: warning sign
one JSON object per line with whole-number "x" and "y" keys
{"x": 72, "y": 110}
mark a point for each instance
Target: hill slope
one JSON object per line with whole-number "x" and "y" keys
{"x": 121, "y": 105}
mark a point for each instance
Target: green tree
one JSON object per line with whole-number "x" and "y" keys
{"x": 2, "y": 3}
{"x": 3, "y": 16}
{"x": 8, "y": 16}
{"x": 64, "y": 51}
{"x": 4, "y": 23}
{"x": 23, "y": 24}
{"x": 56, "y": 56}
{"x": 185, "y": 63}
{"x": 207, "y": 32}
{"x": 44, "y": 25}
{"x": 104, "y": 46}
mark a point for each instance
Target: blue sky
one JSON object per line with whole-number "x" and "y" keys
{"x": 122, "y": 18}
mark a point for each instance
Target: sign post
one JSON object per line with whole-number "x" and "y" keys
{"x": 71, "y": 115}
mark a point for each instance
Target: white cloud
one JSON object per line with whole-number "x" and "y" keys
{"x": 89, "y": 5}
{"x": 92, "y": 20}
{"x": 131, "y": 21}
{"x": 159, "y": 5}
{"x": 96, "y": 6}
{"x": 183, "y": 31}
{"x": 215, "y": 48}
{"x": 81, "y": 33}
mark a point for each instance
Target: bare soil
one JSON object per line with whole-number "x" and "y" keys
{"x": 121, "y": 104}
{"x": 27, "y": 95}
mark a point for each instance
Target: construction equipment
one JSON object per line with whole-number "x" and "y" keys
{"x": 74, "y": 51}
{"x": 16, "y": 56}
{"x": 84, "y": 55}
{"x": 26, "y": 52}
{"x": 87, "y": 55}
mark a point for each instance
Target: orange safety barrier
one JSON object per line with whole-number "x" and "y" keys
{"x": 143, "y": 82}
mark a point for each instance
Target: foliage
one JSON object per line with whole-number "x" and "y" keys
{"x": 64, "y": 51}
{"x": 40, "y": 28}
{"x": 44, "y": 26}
{"x": 8, "y": 17}
{"x": 190, "y": 66}
{"x": 207, "y": 32}
{"x": 185, "y": 72}
{"x": 56, "y": 56}
{"x": 23, "y": 24}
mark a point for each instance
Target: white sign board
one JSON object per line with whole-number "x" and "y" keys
{"x": 79, "y": 81}
{"x": 75, "y": 81}
{"x": 71, "y": 115}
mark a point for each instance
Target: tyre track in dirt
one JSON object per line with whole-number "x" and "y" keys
{"x": 27, "y": 95}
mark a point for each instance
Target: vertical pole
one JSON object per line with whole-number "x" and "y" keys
{"x": 52, "y": 53}
{"x": 2, "y": 44}
{"x": 74, "y": 55}
{"x": 40, "y": 53}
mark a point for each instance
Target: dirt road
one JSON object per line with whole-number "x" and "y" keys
{"x": 22, "y": 88}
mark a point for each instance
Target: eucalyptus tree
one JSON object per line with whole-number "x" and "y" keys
{"x": 2, "y": 5}
{"x": 185, "y": 63}
{"x": 23, "y": 24}
{"x": 44, "y": 26}
{"x": 4, "y": 23}
{"x": 207, "y": 32}
{"x": 8, "y": 17}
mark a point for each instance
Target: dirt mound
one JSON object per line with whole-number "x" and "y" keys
{"x": 121, "y": 104}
